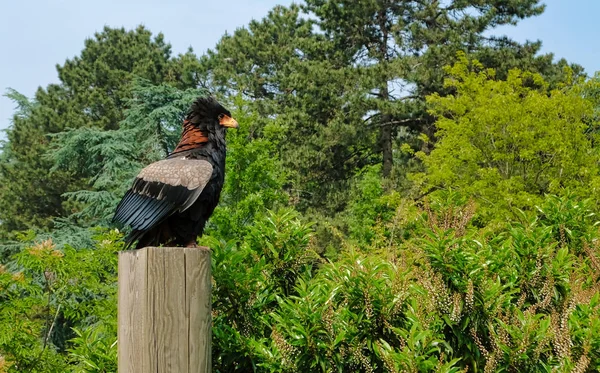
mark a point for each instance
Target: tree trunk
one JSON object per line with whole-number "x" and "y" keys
{"x": 386, "y": 136}
{"x": 386, "y": 126}
{"x": 386, "y": 146}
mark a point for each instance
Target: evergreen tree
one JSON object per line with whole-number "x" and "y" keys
{"x": 297, "y": 82}
{"x": 348, "y": 82}
{"x": 110, "y": 159}
{"x": 93, "y": 92}
{"x": 28, "y": 197}
{"x": 399, "y": 48}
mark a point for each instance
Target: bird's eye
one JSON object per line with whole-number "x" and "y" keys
{"x": 226, "y": 121}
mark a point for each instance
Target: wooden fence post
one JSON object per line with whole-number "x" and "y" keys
{"x": 164, "y": 312}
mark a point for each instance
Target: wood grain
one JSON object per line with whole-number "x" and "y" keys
{"x": 165, "y": 310}
{"x": 199, "y": 305}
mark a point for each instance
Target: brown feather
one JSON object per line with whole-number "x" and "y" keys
{"x": 191, "y": 138}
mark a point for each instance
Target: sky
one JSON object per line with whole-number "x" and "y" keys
{"x": 35, "y": 35}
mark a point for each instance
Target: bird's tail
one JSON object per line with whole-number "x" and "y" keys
{"x": 132, "y": 237}
{"x": 156, "y": 236}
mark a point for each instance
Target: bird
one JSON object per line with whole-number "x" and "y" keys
{"x": 171, "y": 200}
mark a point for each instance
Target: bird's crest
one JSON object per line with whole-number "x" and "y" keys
{"x": 204, "y": 108}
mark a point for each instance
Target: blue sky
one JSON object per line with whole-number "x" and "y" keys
{"x": 35, "y": 35}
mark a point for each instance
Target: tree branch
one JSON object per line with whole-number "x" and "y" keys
{"x": 401, "y": 122}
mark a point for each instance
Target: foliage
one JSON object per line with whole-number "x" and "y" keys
{"x": 395, "y": 53}
{"x": 296, "y": 84}
{"x": 379, "y": 214}
{"x": 249, "y": 279}
{"x": 27, "y": 199}
{"x": 449, "y": 297}
{"x": 94, "y": 90}
{"x": 346, "y": 81}
{"x": 369, "y": 206}
{"x": 94, "y": 350}
{"x": 254, "y": 175}
{"x": 54, "y": 300}
{"x": 110, "y": 159}
{"x": 150, "y": 130}
{"x": 520, "y": 316}
{"x": 507, "y": 144}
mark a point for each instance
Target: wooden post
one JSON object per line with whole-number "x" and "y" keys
{"x": 164, "y": 310}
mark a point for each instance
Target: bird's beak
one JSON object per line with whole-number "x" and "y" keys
{"x": 227, "y": 121}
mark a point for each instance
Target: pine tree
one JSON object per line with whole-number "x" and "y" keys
{"x": 400, "y": 47}
{"x": 94, "y": 90}
{"x": 297, "y": 82}
{"x": 110, "y": 159}
{"x": 347, "y": 83}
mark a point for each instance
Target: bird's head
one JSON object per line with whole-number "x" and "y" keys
{"x": 205, "y": 124}
{"x": 209, "y": 115}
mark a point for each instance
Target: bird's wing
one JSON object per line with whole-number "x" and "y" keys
{"x": 162, "y": 188}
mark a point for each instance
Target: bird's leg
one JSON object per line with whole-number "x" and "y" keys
{"x": 164, "y": 234}
{"x": 192, "y": 243}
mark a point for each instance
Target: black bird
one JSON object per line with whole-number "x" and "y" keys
{"x": 171, "y": 200}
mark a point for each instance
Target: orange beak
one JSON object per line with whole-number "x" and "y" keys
{"x": 227, "y": 121}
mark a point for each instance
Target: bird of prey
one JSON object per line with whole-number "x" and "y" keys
{"x": 171, "y": 200}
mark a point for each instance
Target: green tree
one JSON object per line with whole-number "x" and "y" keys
{"x": 347, "y": 80}
{"x": 49, "y": 292}
{"x": 93, "y": 92}
{"x": 27, "y": 198}
{"x": 506, "y": 143}
{"x": 254, "y": 176}
{"x": 399, "y": 47}
{"x": 296, "y": 83}
{"x": 110, "y": 159}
